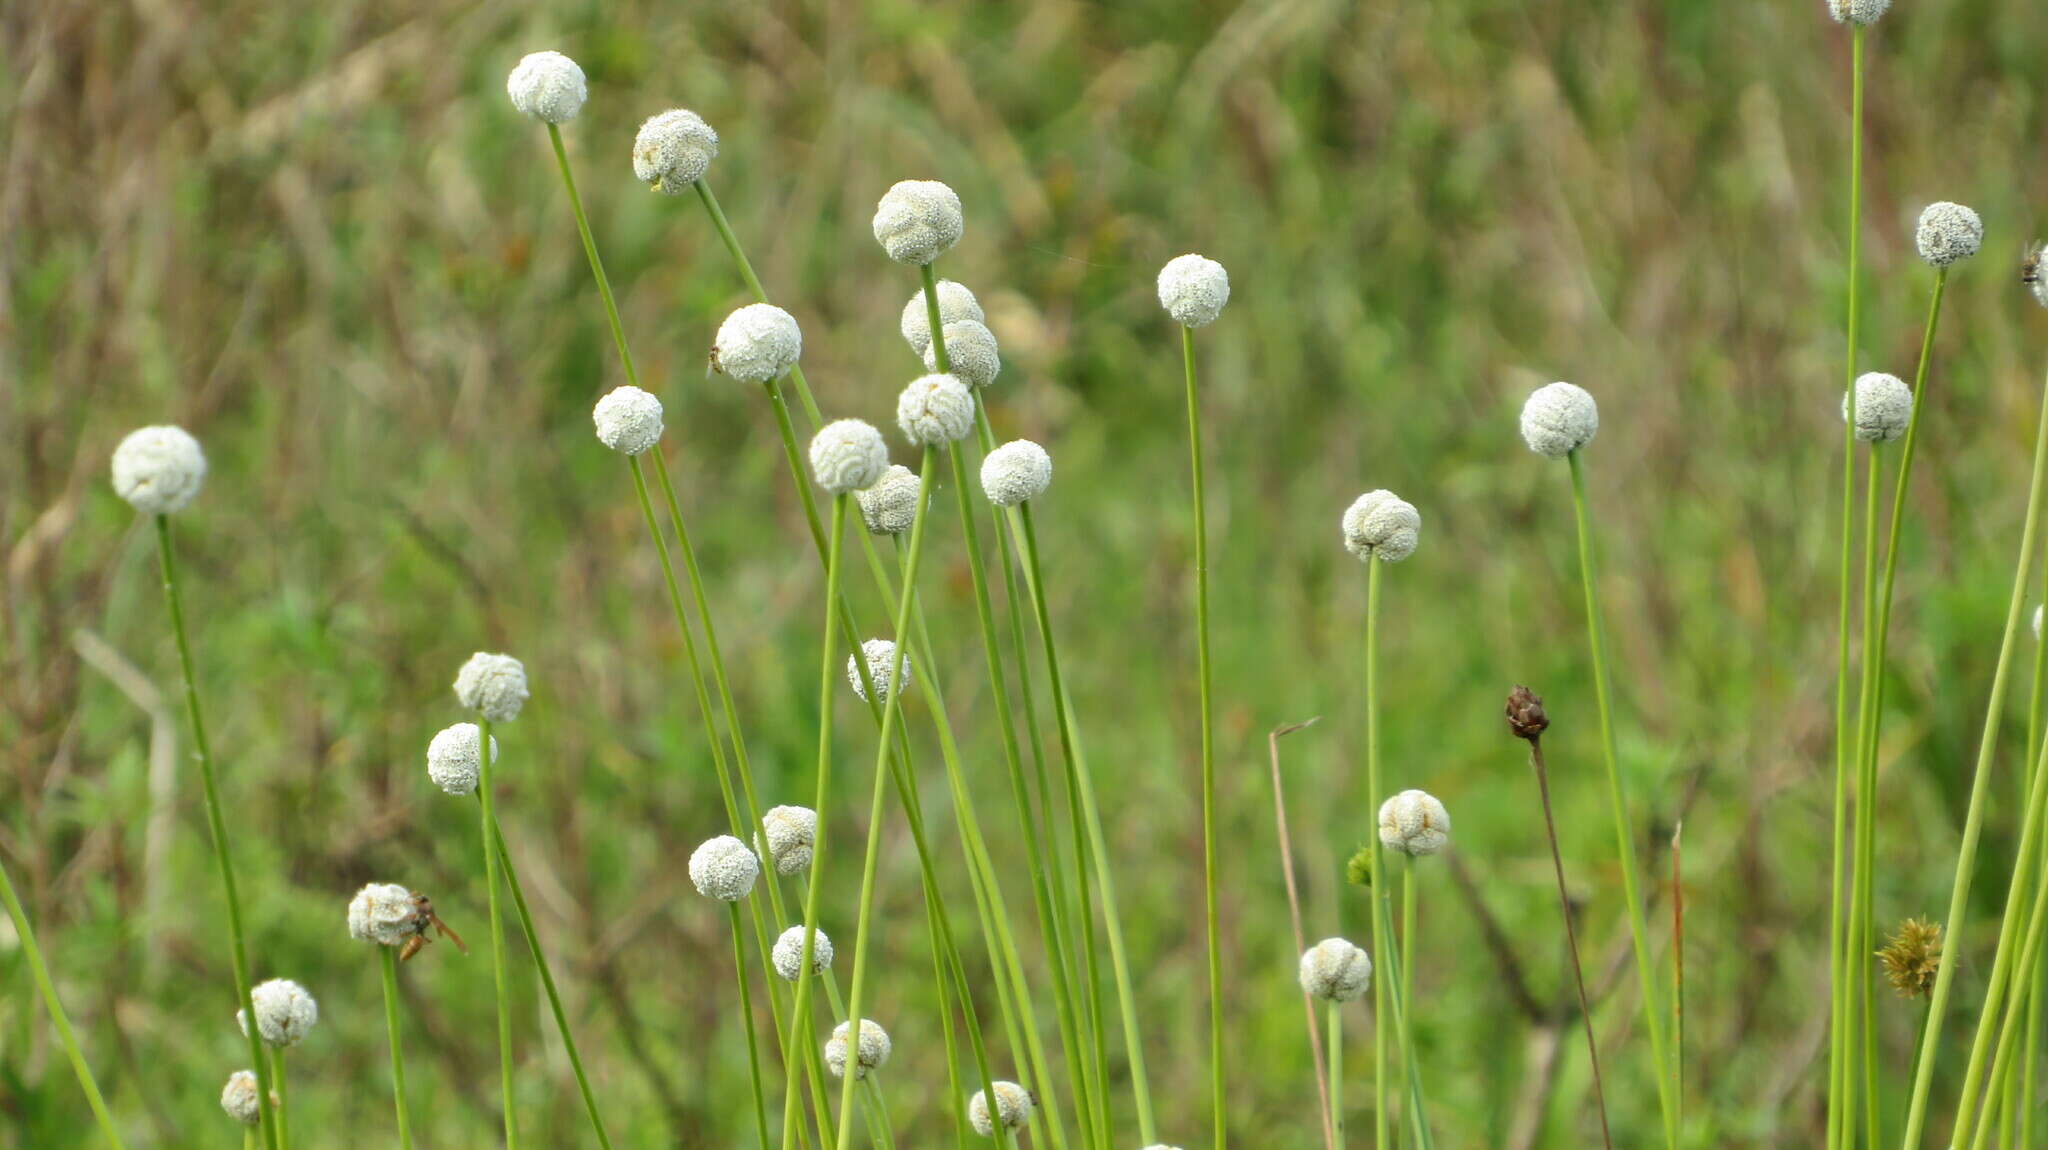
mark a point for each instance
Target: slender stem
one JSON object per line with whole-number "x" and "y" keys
{"x": 739, "y": 966}
{"x": 732, "y": 242}
{"x": 500, "y": 978}
{"x": 1861, "y": 1024}
{"x": 388, "y": 959}
{"x": 216, "y": 826}
{"x": 284, "y": 1129}
{"x": 41, "y": 974}
{"x": 1334, "y": 1094}
{"x": 1382, "y": 999}
{"x": 1408, "y": 931}
{"x": 604, "y": 286}
{"x": 1571, "y": 937}
{"x": 1324, "y": 1081}
{"x": 2009, "y": 1028}
{"x": 1203, "y": 679}
{"x": 2026, "y": 1101}
{"x": 1418, "y": 1112}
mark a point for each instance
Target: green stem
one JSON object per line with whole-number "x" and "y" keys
{"x": 604, "y": 286}
{"x": 1203, "y": 679}
{"x": 1382, "y": 1006}
{"x": 1861, "y": 1022}
{"x": 388, "y": 958}
{"x": 58, "y": 1018}
{"x": 1336, "y": 1061}
{"x": 1408, "y": 931}
{"x": 500, "y": 978}
{"x": 2025, "y": 1101}
{"x": 739, "y": 966}
{"x": 284, "y": 1129}
{"x": 2009, "y": 1028}
{"x": 1418, "y": 1111}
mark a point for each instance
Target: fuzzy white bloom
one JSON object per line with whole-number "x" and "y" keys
{"x": 848, "y": 455}
{"x": 284, "y": 1012}
{"x": 1558, "y": 419}
{"x": 383, "y": 913}
{"x": 723, "y": 868}
{"x": 1014, "y": 1105}
{"x": 453, "y": 759}
{"x": 791, "y": 834}
{"x": 757, "y": 343}
{"x": 547, "y": 86}
{"x": 1884, "y": 406}
{"x": 890, "y": 506}
{"x": 1193, "y": 289}
{"x": 789, "y": 953}
{"x": 935, "y": 409}
{"x": 1857, "y": 11}
{"x": 880, "y": 655}
{"x": 1414, "y": 823}
{"x": 970, "y": 350}
{"x": 238, "y": 1098}
{"x": 493, "y": 685}
{"x": 673, "y": 150}
{"x": 874, "y": 1049}
{"x": 628, "y": 420}
{"x": 1380, "y": 523}
{"x": 955, "y": 304}
{"x": 159, "y": 470}
{"x": 1014, "y": 472}
{"x": 917, "y": 220}
{"x": 1335, "y": 970}
{"x": 1948, "y": 234}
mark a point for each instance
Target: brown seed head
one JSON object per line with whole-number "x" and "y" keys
{"x": 1913, "y": 957}
{"x": 1525, "y": 713}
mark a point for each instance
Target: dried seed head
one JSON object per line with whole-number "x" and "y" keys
{"x": 1414, "y": 823}
{"x": 1948, "y": 233}
{"x": 1014, "y": 1105}
{"x": 1334, "y": 970}
{"x": 890, "y": 506}
{"x": 935, "y": 409}
{"x": 880, "y": 655}
{"x": 723, "y": 868}
{"x": 1193, "y": 290}
{"x": 757, "y": 343}
{"x": 1380, "y": 524}
{"x": 791, "y": 834}
{"x": 453, "y": 761}
{"x": 1913, "y": 957}
{"x": 1016, "y": 471}
{"x": 159, "y": 470}
{"x": 673, "y": 151}
{"x": 917, "y": 220}
{"x": 384, "y": 913}
{"x": 1857, "y": 11}
{"x": 789, "y": 953}
{"x": 547, "y": 86}
{"x": 284, "y": 1012}
{"x": 848, "y": 455}
{"x": 492, "y": 685}
{"x": 628, "y": 420}
{"x": 1558, "y": 419}
{"x": 873, "y": 1053}
{"x": 1526, "y": 717}
{"x": 1884, "y": 406}
{"x": 970, "y": 351}
{"x": 956, "y": 303}
{"x": 238, "y": 1098}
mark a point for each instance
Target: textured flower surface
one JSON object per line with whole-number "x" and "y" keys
{"x": 1948, "y": 234}
{"x": 874, "y": 1049}
{"x": 1193, "y": 289}
{"x": 917, "y": 220}
{"x": 547, "y": 86}
{"x": 284, "y": 1012}
{"x": 1414, "y": 823}
{"x": 890, "y": 506}
{"x": 1334, "y": 970}
{"x": 956, "y": 303}
{"x": 1558, "y": 419}
{"x": 673, "y": 150}
{"x": 848, "y": 455}
{"x": 384, "y": 913}
{"x": 880, "y": 656}
{"x": 453, "y": 759}
{"x": 1857, "y": 11}
{"x": 492, "y": 685}
{"x": 159, "y": 470}
{"x": 1380, "y": 524}
{"x": 1016, "y": 471}
{"x": 724, "y": 868}
{"x": 971, "y": 352}
{"x": 935, "y": 409}
{"x": 791, "y": 834}
{"x": 789, "y": 953}
{"x": 1884, "y": 406}
{"x": 238, "y": 1098}
{"x": 757, "y": 343}
{"x": 1014, "y": 1105}
{"x": 628, "y": 420}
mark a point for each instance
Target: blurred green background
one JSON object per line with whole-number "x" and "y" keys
{"x": 321, "y": 239}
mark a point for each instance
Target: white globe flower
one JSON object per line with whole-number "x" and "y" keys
{"x": 628, "y": 420}
{"x": 547, "y": 86}
{"x": 874, "y": 1049}
{"x": 890, "y": 506}
{"x": 673, "y": 151}
{"x": 935, "y": 409}
{"x": 917, "y": 220}
{"x": 1334, "y": 970}
{"x": 284, "y": 1012}
{"x": 757, "y": 343}
{"x": 1558, "y": 419}
{"x": 970, "y": 349}
{"x": 880, "y": 656}
{"x": 454, "y": 759}
{"x": 1857, "y": 11}
{"x": 1884, "y": 407}
{"x": 791, "y": 834}
{"x": 159, "y": 470}
{"x": 1948, "y": 234}
{"x": 1016, "y": 471}
{"x": 788, "y": 953}
{"x": 1014, "y": 1105}
{"x": 492, "y": 685}
{"x": 1193, "y": 290}
{"x": 956, "y": 303}
{"x": 1383, "y": 525}
{"x": 1414, "y": 823}
{"x": 848, "y": 455}
{"x": 384, "y": 913}
{"x": 723, "y": 868}
{"x": 239, "y": 1098}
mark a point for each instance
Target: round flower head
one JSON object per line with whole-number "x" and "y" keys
{"x": 970, "y": 349}
{"x": 284, "y": 1012}
{"x": 158, "y": 470}
{"x": 1016, "y": 471}
{"x": 880, "y": 655}
{"x": 757, "y": 343}
{"x": 1857, "y": 11}
{"x": 493, "y": 685}
{"x": 1193, "y": 289}
{"x": 874, "y": 1049}
{"x": 453, "y": 761}
{"x": 890, "y": 506}
{"x": 1014, "y": 1105}
{"x": 848, "y": 455}
{"x": 1414, "y": 823}
{"x": 955, "y": 304}
{"x": 673, "y": 150}
{"x": 791, "y": 833}
{"x": 628, "y": 420}
{"x": 789, "y": 953}
{"x": 384, "y": 913}
{"x": 1334, "y": 970}
{"x": 918, "y": 220}
{"x": 1884, "y": 406}
{"x": 1948, "y": 234}
{"x": 1380, "y": 523}
{"x": 935, "y": 409}
{"x": 723, "y": 868}
{"x": 1558, "y": 419}
{"x": 238, "y": 1098}
{"x": 547, "y": 86}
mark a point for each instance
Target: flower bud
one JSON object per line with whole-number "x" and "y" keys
{"x": 1334, "y": 970}
{"x": 757, "y": 343}
{"x": 628, "y": 420}
{"x": 789, "y": 953}
{"x": 1414, "y": 823}
{"x": 284, "y": 1012}
{"x": 1526, "y": 717}
{"x": 970, "y": 350}
{"x": 547, "y": 86}
{"x": 890, "y": 506}
{"x": 673, "y": 150}
{"x": 956, "y": 303}
{"x": 1380, "y": 524}
{"x": 384, "y": 913}
{"x": 935, "y": 409}
{"x": 1558, "y": 419}
{"x": 848, "y": 455}
{"x": 1193, "y": 290}
{"x": 1016, "y": 471}
{"x": 917, "y": 220}
{"x": 159, "y": 470}
{"x": 1884, "y": 406}
{"x": 492, "y": 685}
{"x": 453, "y": 761}
{"x": 723, "y": 868}
{"x": 880, "y": 655}
{"x": 239, "y": 1098}
{"x": 1948, "y": 233}
{"x": 1014, "y": 1105}
{"x": 873, "y": 1053}
{"x": 791, "y": 834}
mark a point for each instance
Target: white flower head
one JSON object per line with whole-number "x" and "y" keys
{"x": 1857, "y": 11}
{"x": 547, "y": 86}
{"x": 955, "y": 304}
{"x": 1558, "y": 419}
{"x": 1884, "y": 406}
{"x": 890, "y": 506}
{"x": 917, "y": 220}
{"x": 935, "y": 409}
{"x": 454, "y": 760}
{"x": 1334, "y": 970}
{"x": 757, "y": 343}
{"x": 1381, "y": 524}
{"x": 1193, "y": 289}
{"x": 284, "y": 1012}
{"x": 628, "y": 420}
{"x": 790, "y": 834}
{"x": 970, "y": 351}
{"x": 723, "y": 868}
{"x": 492, "y": 685}
{"x": 384, "y": 913}
{"x": 159, "y": 470}
{"x": 873, "y": 1053}
{"x": 880, "y": 656}
{"x": 1948, "y": 234}
{"x": 848, "y": 455}
{"x": 789, "y": 953}
{"x": 238, "y": 1098}
{"x": 1016, "y": 471}
{"x": 1414, "y": 823}
{"x": 1014, "y": 1105}
{"x": 673, "y": 150}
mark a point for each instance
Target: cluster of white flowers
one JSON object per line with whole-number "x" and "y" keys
{"x": 1414, "y": 823}
{"x": 971, "y": 352}
{"x": 159, "y": 470}
{"x": 1334, "y": 970}
{"x": 880, "y": 656}
{"x": 917, "y": 220}
{"x": 791, "y": 834}
{"x": 873, "y": 1052}
{"x": 1558, "y": 419}
{"x": 956, "y": 303}
{"x": 935, "y": 409}
{"x": 724, "y": 868}
{"x": 890, "y": 506}
{"x": 789, "y": 953}
{"x": 1193, "y": 290}
{"x": 547, "y": 86}
{"x": 284, "y": 1012}
{"x": 1948, "y": 234}
{"x": 848, "y": 455}
{"x": 673, "y": 150}
{"x": 628, "y": 420}
{"x": 1014, "y": 1105}
{"x": 1857, "y": 11}
{"x": 384, "y": 913}
{"x": 1380, "y": 524}
{"x": 1884, "y": 406}
{"x": 454, "y": 758}
{"x": 492, "y": 685}
{"x": 239, "y": 1098}
{"x": 1016, "y": 471}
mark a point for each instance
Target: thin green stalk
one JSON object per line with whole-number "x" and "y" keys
{"x": 1408, "y": 931}
{"x": 739, "y": 966}
{"x": 1646, "y": 969}
{"x": 941, "y": 981}
{"x": 41, "y": 973}
{"x": 2009, "y": 1028}
{"x": 284, "y": 1129}
{"x": 1204, "y": 678}
{"x": 1382, "y": 1006}
{"x": 2027, "y": 1101}
{"x": 216, "y": 826}
{"x": 604, "y": 286}
{"x": 1973, "y": 822}
{"x": 1336, "y": 1060}
{"x": 499, "y": 976}
{"x": 387, "y": 957}
{"x": 1571, "y": 935}
{"x": 1410, "y": 1066}
{"x": 1861, "y": 1022}
{"x": 1418, "y": 1111}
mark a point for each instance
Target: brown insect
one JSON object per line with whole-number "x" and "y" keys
{"x": 2030, "y": 267}
{"x": 423, "y": 917}
{"x": 711, "y": 364}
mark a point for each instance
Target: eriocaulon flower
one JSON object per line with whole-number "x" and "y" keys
{"x": 1884, "y": 406}
{"x": 159, "y": 470}
{"x": 238, "y": 1098}
{"x": 881, "y": 656}
{"x": 873, "y": 1053}
{"x": 547, "y": 86}
{"x": 917, "y": 220}
{"x": 1857, "y": 11}
{"x": 492, "y": 685}
{"x": 628, "y": 420}
{"x": 1948, "y": 234}
{"x": 1334, "y": 970}
{"x": 970, "y": 350}
{"x": 1014, "y": 1105}
{"x": 384, "y": 913}
{"x": 284, "y": 1012}
{"x": 1016, "y": 471}
{"x": 723, "y": 868}
{"x": 1383, "y": 525}
{"x": 1414, "y": 823}
{"x": 452, "y": 759}
{"x": 848, "y": 455}
{"x": 1193, "y": 290}
{"x": 757, "y": 343}
{"x": 956, "y": 303}
{"x": 791, "y": 834}
{"x": 1558, "y": 419}
{"x": 935, "y": 409}
{"x": 789, "y": 953}
{"x": 890, "y": 506}
{"x": 673, "y": 151}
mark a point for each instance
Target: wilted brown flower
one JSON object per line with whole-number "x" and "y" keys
{"x": 1913, "y": 957}
{"x": 1525, "y": 713}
